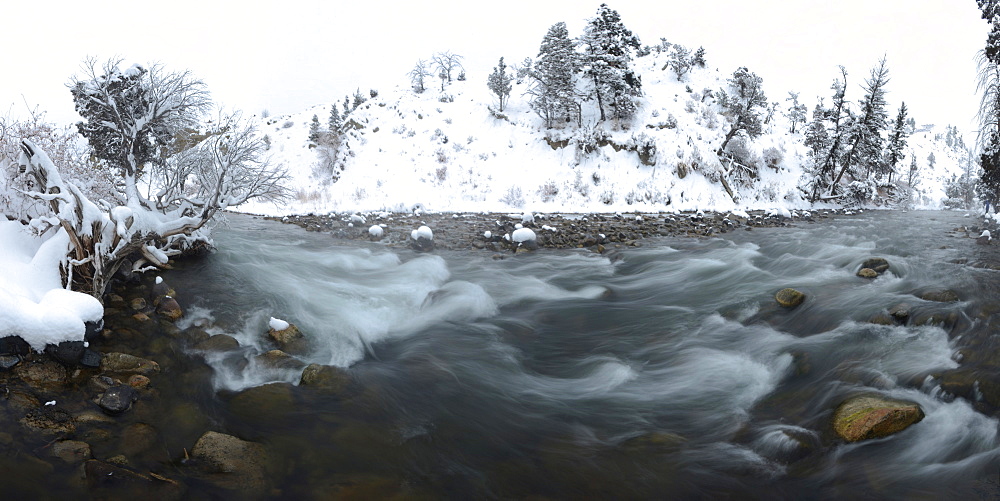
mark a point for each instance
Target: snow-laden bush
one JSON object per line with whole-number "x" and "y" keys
{"x": 772, "y": 157}
{"x": 548, "y": 191}
{"x": 513, "y": 197}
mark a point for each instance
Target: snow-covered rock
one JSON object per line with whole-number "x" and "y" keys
{"x": 375, "y": 231}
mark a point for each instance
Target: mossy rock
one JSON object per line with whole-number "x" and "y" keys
{"x": 867, "y": 273}
{"x": 870, "y": 416}
{"x": 789, "y": 298}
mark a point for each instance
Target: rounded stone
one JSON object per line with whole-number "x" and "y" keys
{"x": 867, "y": 273}
{"x": 867, "y": 417}
{"x": 789, "y": 298}
{"x": 117, "y": 399}
{"x": 880, "y": 265}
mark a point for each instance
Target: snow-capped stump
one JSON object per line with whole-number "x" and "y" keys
{"x": 375, "y": 232}
{"x": 984, "y": 238}
{"x": 422, "y": 239}
{"x": 789, "y": 298}
{"x": 287, "y": 336}
{"x": 872, "y": 416}
{"x": 524, "y": 238}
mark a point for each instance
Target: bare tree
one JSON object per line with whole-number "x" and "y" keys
{"x": 446, "y": 62}
{"x": 142, "y": 124}
{"x": 417, "y": 76}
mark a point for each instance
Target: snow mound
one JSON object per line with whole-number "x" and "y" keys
{"x": 523, "y": 235}
{"x": 277, "y": 324}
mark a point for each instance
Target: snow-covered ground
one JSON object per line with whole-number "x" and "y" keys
{"x": 34, "y": 303}
{"x": 444, "y": 151}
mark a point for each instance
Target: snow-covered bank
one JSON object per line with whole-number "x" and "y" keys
{"x": 446, "y": 151}
{"x": 36, "y": 306}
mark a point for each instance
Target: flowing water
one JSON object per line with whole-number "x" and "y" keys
{"x": 665, "y": 371}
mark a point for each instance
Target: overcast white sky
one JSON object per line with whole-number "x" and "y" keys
{"x": 289, "y": 55}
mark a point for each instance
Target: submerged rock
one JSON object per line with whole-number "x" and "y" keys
{"x": 117, "y": 399}
{"x": 325, "y": 377}
{"x": 128, "y": 364}
{"x": 789, "y": 298}
{"x": 71, "y": 451}
{"x": 940, "y": 296}
{"x": 233, "y": 463}
{"x": 218, "y": 342}
{"x": 871, "y": 416}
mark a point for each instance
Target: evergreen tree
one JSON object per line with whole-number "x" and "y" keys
{"x": 897, "y": 141}
{"x": 553, "y": 91}
{"x": 359, "y": 99}
{"x": 335, "y": 120}
{"x": 817, "y": 139}
{"x": 743, "y": 104}
{"x": 608, "y": 47}
{"x": 680, "y": 61}
{"x": 699, "y": 58}
{"x": 499, "y": 83}
{"x": 347, "y": 107}
{"x": 838, "y": 117}
{"x": 796, "y": 111}
{"x": 864, "y": 136}
{"x": 314, "y": 129}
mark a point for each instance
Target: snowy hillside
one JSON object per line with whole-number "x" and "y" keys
{"x": 445, "y": 151}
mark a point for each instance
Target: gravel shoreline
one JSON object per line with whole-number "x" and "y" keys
{"x": 598, "y": 232}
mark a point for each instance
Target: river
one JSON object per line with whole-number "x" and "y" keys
{"x": 664, "y": 371}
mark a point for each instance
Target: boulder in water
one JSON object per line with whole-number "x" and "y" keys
{"x": 232, "y": 463}
{"x": 288, "y": 337}
{"x": 867, "y": 273}
{"x": 878, "y": 264}
{"x": 326, "y": 377}
{"x": 789, "y": 298}
{"x": 872, "y": 416}
{"x": 128, "y": 364}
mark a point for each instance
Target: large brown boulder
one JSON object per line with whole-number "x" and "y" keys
{"x": 232, "y": 463}
{"x": 871, "y": 416}
{"x": 289, "y": 339}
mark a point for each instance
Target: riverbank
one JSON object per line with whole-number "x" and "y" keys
{"x": 493, "y": 231}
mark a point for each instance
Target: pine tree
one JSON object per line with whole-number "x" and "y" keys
{"x": 553, "y": 91}
{"x": 699, "y": 58}
{"x": 347, "y": 107}
{"x": 743, "y": 104}
{"x": 897, "y": 142}
{"x": 796, "y": 111}
{"x": 608, "y": 47}
{"x": 680, "y": 61}
{"x": 335, "y": 120}
{"x": 314, "y": 129}
{"x": 864, "y": 136}
{"x": 838, "y": 116}
{"x": 499, "y": 83}
{"x": 359, "y": 99}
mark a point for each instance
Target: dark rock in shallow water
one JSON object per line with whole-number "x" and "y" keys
{"x": 92, "y": 330}
{"x": 67, "y": 353}
{"x": 71, "y": 451}
{"x": 91, "y": 358}
{"x": 218, "y": 342}
{"x": 7, "y": 362}
{"x": 117, "y": 399}
{"x": 14, "y": 345}
{"x": 232, "y": 463}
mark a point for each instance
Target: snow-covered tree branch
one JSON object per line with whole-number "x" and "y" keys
{"x": 143, "y": 125}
